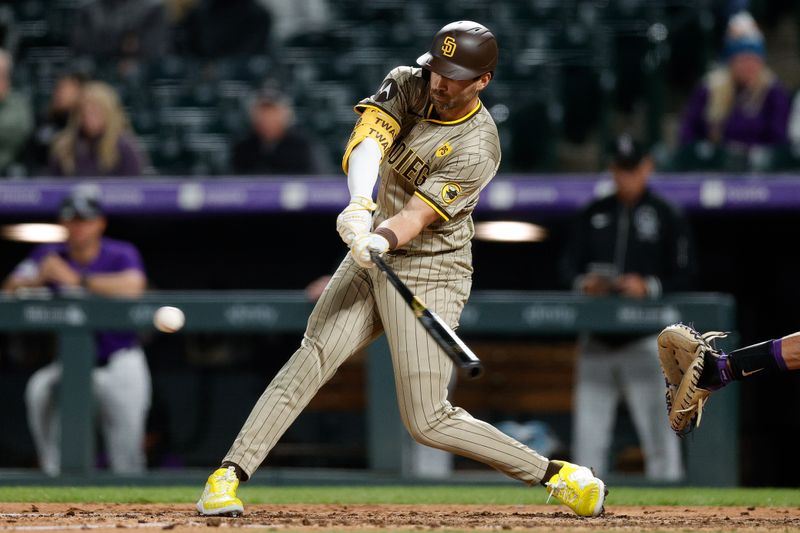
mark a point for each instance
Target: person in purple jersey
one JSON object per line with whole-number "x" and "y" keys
{"x": 121, "y": 379}
{"x": 741, "y": 102}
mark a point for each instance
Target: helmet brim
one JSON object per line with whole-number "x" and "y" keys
{"x": 446, "y": 68}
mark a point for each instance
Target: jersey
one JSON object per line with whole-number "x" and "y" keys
{"x": 115, "y": 256}
{"x": 444, "y": 163}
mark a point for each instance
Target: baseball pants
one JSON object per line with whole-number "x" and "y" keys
{"x": 357, "y": 306}
{"x": 122, "y": 391}
{"x": 631, "y": 372}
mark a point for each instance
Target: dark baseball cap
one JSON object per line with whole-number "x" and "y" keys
{"x": 82, "y": 206}
{"x": 270, "y": 96}
{"x": 627, "y": 152}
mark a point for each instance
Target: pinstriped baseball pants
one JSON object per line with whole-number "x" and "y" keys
{"x": 356, "y": 307}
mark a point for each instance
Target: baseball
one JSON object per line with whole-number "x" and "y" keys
{"x": 168, "y": 319}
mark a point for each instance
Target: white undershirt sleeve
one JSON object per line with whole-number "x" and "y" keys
{"x": 364, "y": 161}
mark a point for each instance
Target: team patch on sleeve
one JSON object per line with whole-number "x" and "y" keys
{"x": 450, "y": 192}
{"x": 387, "y": 91}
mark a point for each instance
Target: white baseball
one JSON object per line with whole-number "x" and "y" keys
{"x": 168, "y": 319}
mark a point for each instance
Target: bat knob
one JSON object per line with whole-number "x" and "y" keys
{"x": 474, "y": 372}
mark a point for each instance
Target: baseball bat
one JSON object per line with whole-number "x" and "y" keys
{"x": 445, "y": 337}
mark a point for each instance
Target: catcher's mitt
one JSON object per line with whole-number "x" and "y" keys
{"x": 682, "y": 353}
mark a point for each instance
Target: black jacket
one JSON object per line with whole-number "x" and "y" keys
{"x": 293, "y": 154}
{"x": 652, "y": 239}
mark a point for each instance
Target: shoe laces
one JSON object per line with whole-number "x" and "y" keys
{"x": 561, "y": 489}
{"x": 227, "y": 479}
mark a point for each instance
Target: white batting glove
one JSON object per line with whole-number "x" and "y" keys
{"x": 364, "y": 244}
{"x": 356, "y": 219}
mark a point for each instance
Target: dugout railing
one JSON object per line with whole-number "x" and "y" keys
{"x": 712, "y": 453}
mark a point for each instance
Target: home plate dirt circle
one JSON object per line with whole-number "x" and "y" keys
{"x": 184, "y": 518}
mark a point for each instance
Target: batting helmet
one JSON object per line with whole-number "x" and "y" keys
{"x": 461, "y": 50}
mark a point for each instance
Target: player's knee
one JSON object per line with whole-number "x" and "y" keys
{"x": 422, "y": 433}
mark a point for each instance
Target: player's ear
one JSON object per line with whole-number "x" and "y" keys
{"x": 484, "y": 79}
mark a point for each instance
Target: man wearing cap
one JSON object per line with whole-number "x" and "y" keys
{"x": 274, "y": 145}
{"x": 632, "y": 244}
{"x": 93, "y": 263}
{"x": 434, "y": 145}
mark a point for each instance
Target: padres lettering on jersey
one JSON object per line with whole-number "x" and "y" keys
{"x": 444, "y": 163}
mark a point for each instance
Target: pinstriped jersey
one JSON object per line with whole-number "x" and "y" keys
{"x": 446, "y": 164}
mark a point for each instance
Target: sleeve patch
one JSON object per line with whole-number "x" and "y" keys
{"x": 450, "y": 192}
{"x": 387, "y": 91}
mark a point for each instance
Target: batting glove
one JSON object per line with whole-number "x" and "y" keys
{"x": 356, "y": 219}
{"x": 364, "y": 244}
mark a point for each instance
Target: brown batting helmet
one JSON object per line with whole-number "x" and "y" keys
{"x": 461, "y": 50}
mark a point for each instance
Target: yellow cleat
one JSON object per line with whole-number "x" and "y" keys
{"x": 219, "y": 496}
{"x": 577, "y": 488}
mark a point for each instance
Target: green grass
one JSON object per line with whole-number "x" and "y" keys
{"x": 403, "y": 495}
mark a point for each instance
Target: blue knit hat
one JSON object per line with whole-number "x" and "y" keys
{"x": 743, "y": 36}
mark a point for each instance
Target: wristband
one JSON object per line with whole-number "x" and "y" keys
{"x": 389, "y": 235}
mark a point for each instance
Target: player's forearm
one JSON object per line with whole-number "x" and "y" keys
{"x": 124, "y": 284}
{"x": 790, "y": 349}
{"x": 410, "y": 221}
{"x": 365, "y": 159}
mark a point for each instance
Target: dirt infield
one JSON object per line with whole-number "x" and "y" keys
{"x": 183, "y": 518}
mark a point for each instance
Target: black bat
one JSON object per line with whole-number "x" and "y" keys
{"x": 445, "y": 337}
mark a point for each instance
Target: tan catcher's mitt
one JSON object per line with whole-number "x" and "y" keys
{"x": 682, "y": 354}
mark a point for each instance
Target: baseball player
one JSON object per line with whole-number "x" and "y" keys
{"x": 435, "y": 147}
{"x": 121, "y": 379}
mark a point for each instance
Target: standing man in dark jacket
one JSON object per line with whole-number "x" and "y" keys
{"x": 633, "y": 244}
{"x": 274, "y": 145}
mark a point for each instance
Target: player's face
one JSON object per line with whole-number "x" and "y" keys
{"x": 82, "y": 232}
{"x": 631, "y": 183}
{"x": 453, "y": 99}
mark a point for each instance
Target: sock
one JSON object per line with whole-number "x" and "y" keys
{"x": 552, "y": 470}
{"x": 239, "y": 472}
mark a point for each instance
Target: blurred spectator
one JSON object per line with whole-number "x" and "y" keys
{"x": 16, "y": 118}
{"x": 740, "y": 103}
{"x": 274, "y": 146}
{"x": 122, "y": 29}
{"x": 64, "y": 100}
{"x": 97, "y": 140}
{"x": 221, "y": 28}
{"x": 121, "y": 383}
{"x": 8, "y": 28}
{"x": 636, "y": 245}
{"x": 794, "y": 121}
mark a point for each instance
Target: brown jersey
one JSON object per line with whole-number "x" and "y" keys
{"x": 446, "y": 164}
